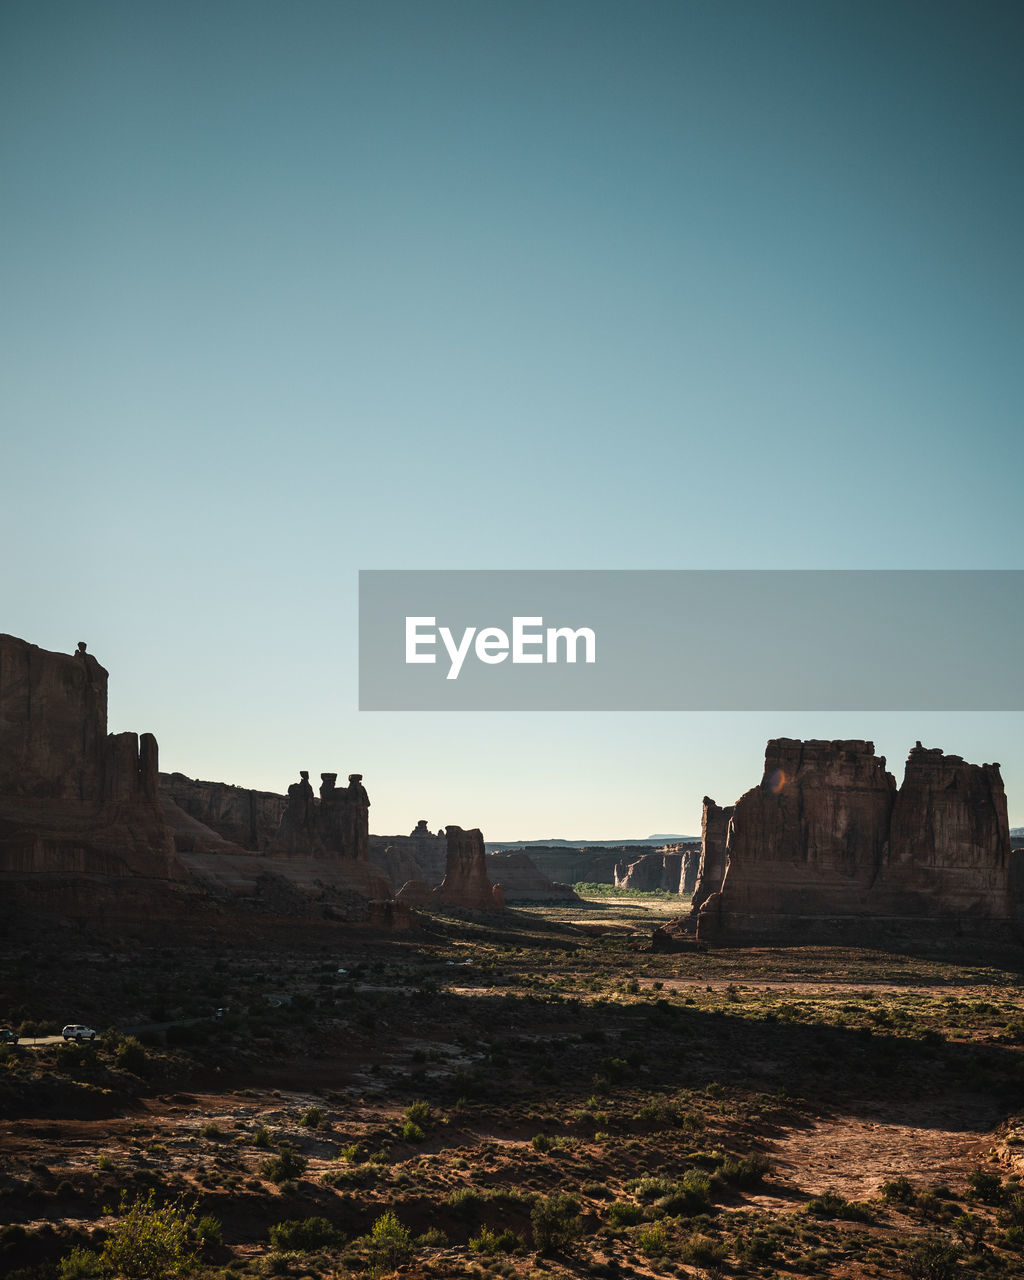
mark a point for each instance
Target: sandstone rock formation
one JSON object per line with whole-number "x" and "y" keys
{"x": 465, "y": 882}
{"x": 664, "y": 869}
{"x": 421, "y": 855}
{"x": 522, "y": 882}
{"x": 573, "y": 864}
{"x": 714, "y": 835}
{"x": 333, "y": 826}
{"x": 88, "y": 832}
{"x": 81, "y": 829}
{"x": 826, "y": 844}
{"x": 239, "y": 816}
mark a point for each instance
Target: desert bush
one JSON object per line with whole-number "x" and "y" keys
{"x": 830, "y": 1204}
{"x": 261, "y": 1138}
{"x": 648, "y": 1188}
{"x": 285, "y": 1166}
{"x": 390, "y": 1243}
{"x": 542, "y": 1142}
{"x": 487, "y": 1241}
{"x": 419, "y": 1113}
{"x": 745, "y": 1171}
{"x": 305, "y": 1235}
{"x": 150, "y": 1241}
{"x": 212, "y": 1131}
{"x": 209, "y": 1230}
{"x": 703, "y": 1251}
{"x": 312, "y": 1118}
{"x": 555, "y": 1222}
{"x": 658, "y": 1111}
{"x": 933, "y": 1259}
{"x": 985, "y": 1185}
{"x": 898, "y": 1191}
{"x": 80, "y": 1264}
{"x": 131, "y": 1056}
{"x": 652, "y": 1240}
{"x": 432, "y": 1237}
{"x": 411, "y": 1132}
{"x": 625, "y": 1213}
{"x": 466, "y": 1201}
{"x": 105, "y": 1163}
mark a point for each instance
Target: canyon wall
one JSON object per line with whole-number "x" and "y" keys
{"x": 81, "y": 828}
{"x": 826, "y": 846}
{"x": 662, "y": 869}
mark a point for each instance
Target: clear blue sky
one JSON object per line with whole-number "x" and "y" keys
{"x": 291, "y": 290}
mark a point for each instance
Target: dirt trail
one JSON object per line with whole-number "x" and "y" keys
{"x": 930, "y": 1143}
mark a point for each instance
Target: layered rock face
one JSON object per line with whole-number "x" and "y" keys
{"x": 521, "y": 881}
{"x": 950, "y": 837}
{"x": 79, "y": 808}
{"x": 205, "y": 815}
{"x": 572, "y": 864}
{"x": 87, "y": 832}
{"x": 652, "y": 871}
{"x": 421, "y": 855}
{"x": 714, "y": 836}
{"x": 465, "y": 883}
{"x": 289, "y": 854}
{"x": 826, "y": 842}
{"x": 248, "y": 819}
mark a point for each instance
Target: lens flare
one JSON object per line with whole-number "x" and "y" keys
{"x": 777, "y": 781}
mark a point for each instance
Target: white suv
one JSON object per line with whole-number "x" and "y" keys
{"x": 74, "y": 1031}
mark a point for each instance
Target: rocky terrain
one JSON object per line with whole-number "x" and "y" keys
{"x": 518, "y": 1097}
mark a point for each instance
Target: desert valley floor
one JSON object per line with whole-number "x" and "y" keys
{"x": 526, "y": 1094}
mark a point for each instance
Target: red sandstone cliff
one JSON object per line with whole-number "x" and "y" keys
{"x": 826, "y": 842}
{"x": 81, "y": 828}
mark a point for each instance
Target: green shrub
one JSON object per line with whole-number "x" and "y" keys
{"x": 312, "y": 1118}
{"x": 541, "y": 1142}
{"x": 261, "y": 1138}
{"x": 305, "y": 1235}
{"x": 150, "y": 1241}
{"x": 105, "y": 1163}
{"x": 419, "y": 1113}
{"x": 80, "y": 1264}
{"x": 487, "y": 1241}
{"x": 703, "y": 1251}
{"x": 555, "y": 1222}
{"x": 285, "y": 1166}
{"x": 131, "y": 1056}
{"x": 212, "y": 1130}
{"x": 745, "y": 1171}
{"x": 208, "y": 1230}
{"x": 932, "y": 1259}
{"x": 390, "y": 1243}
{"x": 466, "y": 1201}
{"x": 652, "y": 1240}
{"x": 625, "y": 1213}
{"x": 411, "y": 1132}
{"x": 830, "y": 1204}
{"x": 986, "y": 1185}
{"x": 433, "y": 1236}
{"x": 898, "y": 1191}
